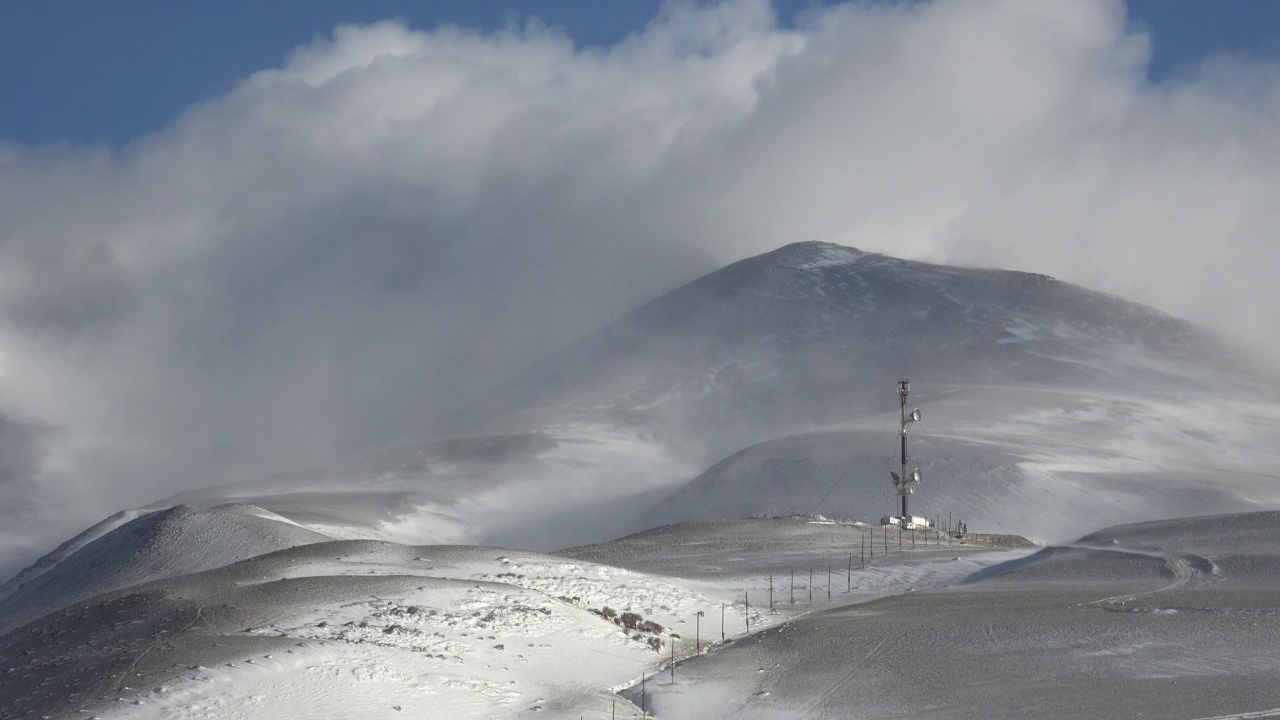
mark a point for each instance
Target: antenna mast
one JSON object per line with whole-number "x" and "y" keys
{"x": 904, "y": 483}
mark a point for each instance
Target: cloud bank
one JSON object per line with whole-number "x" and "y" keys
{"x": 341, "y": 252}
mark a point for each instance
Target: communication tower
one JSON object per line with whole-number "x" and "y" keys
{"x": 905, "y": 483}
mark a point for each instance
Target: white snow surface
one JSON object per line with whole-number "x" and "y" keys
{"x": 152, "y": 546}
{"x": 1047, "y": 464}
{"x": 1171, "y": 619}
{"x": 375, "y": 629}
{"x": 1149, "y": 618}
{"x": 373, "y": 589}
{"x": 66, "y": 549}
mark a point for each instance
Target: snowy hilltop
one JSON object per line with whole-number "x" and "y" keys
{"x": 529, "y": 560}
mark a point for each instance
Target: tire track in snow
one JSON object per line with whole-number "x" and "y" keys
{"x": 1274, "y": 712}
{"x": 1185, "y": 568}
{"x": 892, "y": 640}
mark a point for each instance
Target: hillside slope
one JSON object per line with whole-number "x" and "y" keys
{"x": 1167, "y": 619}
{"x": 809, "y": 333}
{"x": 1047, "y": 464}
{"x": 1050, "y": 409}
{"x": 157, "y": 545}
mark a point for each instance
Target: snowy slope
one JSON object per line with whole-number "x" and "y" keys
{"x": 1049, "y": 409}
{"x": 1173, "y": 619}
{"x": 763, "y": 388}
{"x": 809, "y": 335}
{"x": 1034, "y": 388}
{"x": 66, "y": 549}
{"x": 485, "y": 488}
{"x": 157, "y": 545}
{"x": 1047, "y": 464}
{"x": 373, "y": 629}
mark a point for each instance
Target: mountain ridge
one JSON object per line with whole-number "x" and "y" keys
{"x": 805, "y": 338}
{"x": 799, "y": 332}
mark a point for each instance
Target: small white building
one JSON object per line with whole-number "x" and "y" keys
{"x": 909, "y": 522}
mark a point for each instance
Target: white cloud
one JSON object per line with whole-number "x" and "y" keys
{"x": 339, "y": 251}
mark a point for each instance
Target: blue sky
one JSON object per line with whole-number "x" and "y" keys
{"x": 89, "y": 72}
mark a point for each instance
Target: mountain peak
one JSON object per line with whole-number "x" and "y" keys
{"x": 795, "y": 335}
{"x": 811, "y": 254}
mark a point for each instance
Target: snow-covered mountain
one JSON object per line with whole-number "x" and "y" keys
{"x": 765, "y": 388}
{"x": 1039, "y": 394}
{"x": 772, "y": 378}
{"x": 1048, "y": 464}
{"x": 809, "y": 334}
{"x": 124, "y": 551}
{"x": 1050, "y": 409}
{"x": 1041, "y": 397}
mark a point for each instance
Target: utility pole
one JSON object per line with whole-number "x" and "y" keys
{"x": 848, "y": 575}
{"x": 721, "y": 622}
{"x": 746, "y": 609}
{"x": 770, "y": 592}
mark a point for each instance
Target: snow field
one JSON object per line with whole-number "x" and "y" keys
{"x": 150, "y": 546}
{"x": 504, "y": 633}
{"x": 1175, "y": 618}
{"x": 359, "y": 628}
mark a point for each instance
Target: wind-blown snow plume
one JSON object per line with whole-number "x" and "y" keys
{"x": 339, "y": 253}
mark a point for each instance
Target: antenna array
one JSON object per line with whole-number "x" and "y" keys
{"x": 905, "y": 483}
